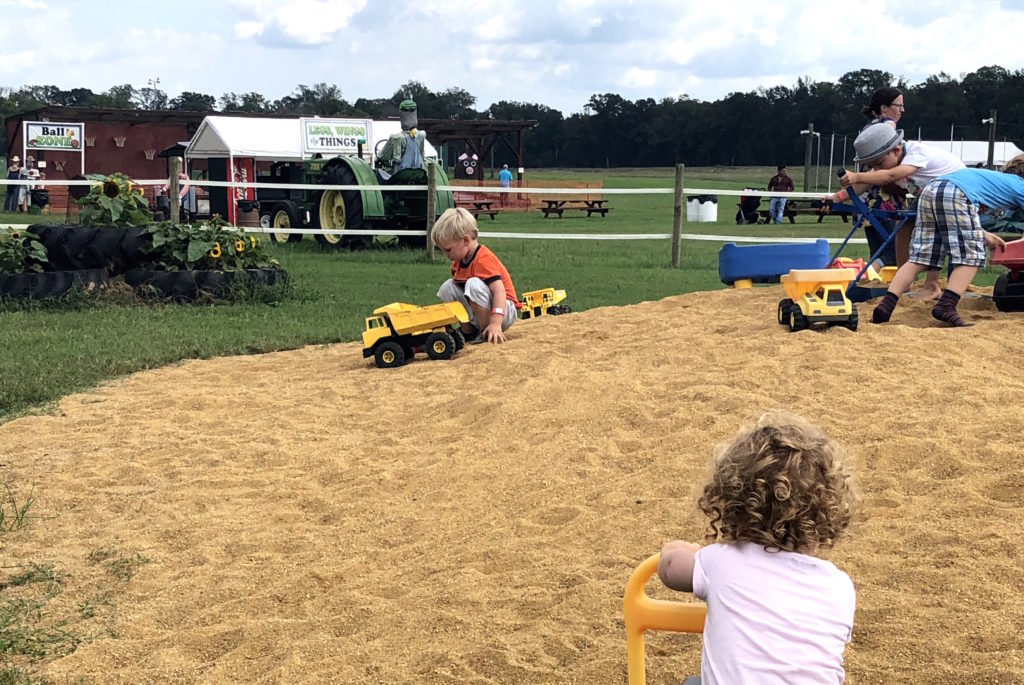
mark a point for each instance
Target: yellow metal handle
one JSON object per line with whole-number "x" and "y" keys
{"x": 643, "y": 613}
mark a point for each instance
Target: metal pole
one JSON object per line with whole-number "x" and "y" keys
{"x": 817, "y": 165}
{"x": 431, "y": 207}
{"x": 677, "y": 216}
{"x": 992, "y": 140}
{"x": 807, "y": 156}
{"x": 831, "y": 153}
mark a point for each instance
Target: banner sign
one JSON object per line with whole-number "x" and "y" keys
{"x": 331, "y": 137}
{"x": 41, "y": 135}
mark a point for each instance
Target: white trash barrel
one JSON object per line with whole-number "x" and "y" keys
{"x": 702, "y": 208}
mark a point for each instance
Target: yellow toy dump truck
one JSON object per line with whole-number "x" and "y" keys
{"x": 817, "y": 296}
{"x": 396, "y": 330}
{"x": 540, "y": 302}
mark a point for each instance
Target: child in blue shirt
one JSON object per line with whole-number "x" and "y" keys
{"x": 948, "y": 225}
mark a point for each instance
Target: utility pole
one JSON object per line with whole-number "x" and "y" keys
{"x": 991, "y": 121}
{"x": 807, "y": 155}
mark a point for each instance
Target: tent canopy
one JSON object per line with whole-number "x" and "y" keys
{"x": 973, "y": 152}
{"x": 274, "y": 140}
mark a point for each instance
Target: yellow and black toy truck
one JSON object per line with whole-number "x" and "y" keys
{"x": 397, "y": 330}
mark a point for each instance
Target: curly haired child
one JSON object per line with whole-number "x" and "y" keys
{"x": 778, "y": 498}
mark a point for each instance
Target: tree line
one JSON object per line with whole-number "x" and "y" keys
{"x": 760, "y": 127}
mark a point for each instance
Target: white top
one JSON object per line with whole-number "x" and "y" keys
{"x": 931, "y": 162}
{"x": 774, "y": 618}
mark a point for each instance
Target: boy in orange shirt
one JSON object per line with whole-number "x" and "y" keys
{"x": 479, "y": 280}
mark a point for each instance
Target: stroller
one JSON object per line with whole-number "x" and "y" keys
{"x": 40, "y": 197}
{"x": 748, "y": 208}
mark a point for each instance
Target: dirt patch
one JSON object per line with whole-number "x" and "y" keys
{"x": 304, "y": 517}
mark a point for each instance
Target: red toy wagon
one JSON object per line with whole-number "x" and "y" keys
{"x": 1008, "y": 292}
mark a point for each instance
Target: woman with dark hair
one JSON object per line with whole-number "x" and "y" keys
{"x": 886, "y": 105}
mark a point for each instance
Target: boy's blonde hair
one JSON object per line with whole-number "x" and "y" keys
{"x": 780, "y": 483}
{"x": 1015, "y": 166}
{"x": 452, "y": 225}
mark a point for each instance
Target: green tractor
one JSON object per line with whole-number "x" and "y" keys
{"x": 401, "y": 162}
{"x": 370, "y": 208}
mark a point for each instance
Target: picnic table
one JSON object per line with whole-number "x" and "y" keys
{"x": 558, "y": 206}
{"x": 478, "y": 207}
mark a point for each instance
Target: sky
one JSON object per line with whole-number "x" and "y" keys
{"x": 556, "y": 53}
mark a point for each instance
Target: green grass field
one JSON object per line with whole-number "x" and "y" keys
{"x": 49, "y": 351}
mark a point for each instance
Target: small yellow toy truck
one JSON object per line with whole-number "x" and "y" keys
{"x": 540, "y": 302}
{"x": 396, "y": 330}
{"x": 817, "y": 296}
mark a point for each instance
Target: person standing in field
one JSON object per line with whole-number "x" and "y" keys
{"x": 504, "y": 181}
{"x": 780, "y": 182}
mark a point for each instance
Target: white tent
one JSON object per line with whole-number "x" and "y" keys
{"x": 973, "y": 152}
{"x": 264, "y": 139}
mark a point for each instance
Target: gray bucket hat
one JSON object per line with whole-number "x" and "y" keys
{"x": 875, "y": 140}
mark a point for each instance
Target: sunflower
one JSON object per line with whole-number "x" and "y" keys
{"x": 111, "y": 189}
{"x": 239, "y": 246}
{"x": 252, "y": 242}
{"x": 15, "y": 235}
{"x": 215, "y": 252}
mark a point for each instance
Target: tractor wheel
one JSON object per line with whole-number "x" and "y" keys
{"x": 285, "y": 215}
{"x": 440, "y": 346}
{"x": 389, "y": 355}
{"x": 797, "y": 320}
{"x": 338, "y": 210}
{"x": 784, "y": 306}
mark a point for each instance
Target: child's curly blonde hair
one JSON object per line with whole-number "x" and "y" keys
{"x": 1015, "y": 166}
{"x": 780, "y": 483}
{"x": 452, "y": 225}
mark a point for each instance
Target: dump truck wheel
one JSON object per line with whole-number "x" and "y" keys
{"x": 389, "y": 355}
{"x": 440, "y": 346}
{"x": 851, "y": 323}
{"x": 285, "y": 215}
{"x": 459, "y": 338}
{"x": 797, "y": 320}
{"x": 338, "y": 210}
{"x": 784, "y": 306}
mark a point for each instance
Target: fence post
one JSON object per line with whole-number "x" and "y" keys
{"x": 172, "y": 190}
{"x": 431, "y": 207}
{"x": 677, "y": 215}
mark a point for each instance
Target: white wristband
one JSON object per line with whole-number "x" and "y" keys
{"x": 497, "y": 310}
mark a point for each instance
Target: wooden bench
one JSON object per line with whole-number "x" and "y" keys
{"x": 793, "y": 209}
{"x": 559, "y": 206}
{"x": 478, "y": 207}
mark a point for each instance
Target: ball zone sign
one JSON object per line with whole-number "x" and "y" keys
{"x": 51, "y": 136}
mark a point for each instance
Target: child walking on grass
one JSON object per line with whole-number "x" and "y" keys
{"x": 778, "y": 613}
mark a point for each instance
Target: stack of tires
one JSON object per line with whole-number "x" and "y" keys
{"x": 78, "y": 258}
{"x": 87, "y": 257}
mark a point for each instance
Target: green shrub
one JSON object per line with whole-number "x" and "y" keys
{"x": 209, "y": 245}
{"x": 20, "y": 252}
{"x": 114, "y": 201}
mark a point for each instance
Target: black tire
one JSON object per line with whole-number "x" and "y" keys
{"x": 388, "y": 355}
{"x": 285, "y": 215}
{"x": 340, "y": 209}
{"x": 50, "y": 284}
{"x": 524, "y": 313}
{"x": 459, "y": 338}
{"x": 75, "y": 248}
{"x": 183, "y": 286}
{"x": 784, "y": 306}
{"x": 797, "y": 320}
{"x": 851, "y": 323}
{"x": 440, "y": 346}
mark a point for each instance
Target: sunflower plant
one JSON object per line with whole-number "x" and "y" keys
{"x": 20, "y": 252}
{"x": 114, "y": 201}
{"x": 208, "y": 245}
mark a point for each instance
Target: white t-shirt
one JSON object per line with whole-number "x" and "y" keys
{"x": 774, "y": 618}
{"x": 931, "y": 162}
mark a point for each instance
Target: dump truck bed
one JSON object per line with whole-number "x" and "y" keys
{"x": 408, "y": 319}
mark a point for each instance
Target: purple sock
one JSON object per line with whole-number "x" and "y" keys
{"x": 945, "y": 309}
{"x": 884, "y": 309}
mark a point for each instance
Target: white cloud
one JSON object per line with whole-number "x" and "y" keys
{"x": 638, "y": 78}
